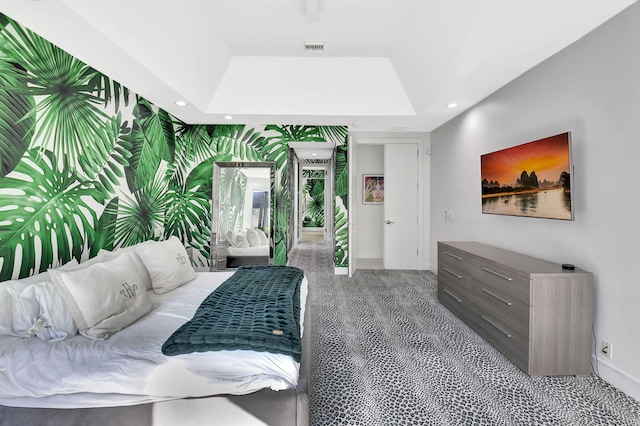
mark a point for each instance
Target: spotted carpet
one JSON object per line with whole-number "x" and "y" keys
{"x": 385, "y": 352}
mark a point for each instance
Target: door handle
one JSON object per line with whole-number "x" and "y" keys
{"x": 388, "y": 222}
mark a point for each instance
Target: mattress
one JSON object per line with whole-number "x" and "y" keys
{"x": 248, "y": 251}
{"x": 129, "y": 368}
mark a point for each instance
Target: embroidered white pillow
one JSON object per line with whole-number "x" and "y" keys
{"x": 168, "y": 264}
{"x": 104, "y": 297}
{"x": 108, "y": 255}
{"x": 253, "y": 238}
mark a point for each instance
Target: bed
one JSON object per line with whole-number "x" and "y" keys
{"x": 246, "y": 248}
{"x": 129, "y": 368}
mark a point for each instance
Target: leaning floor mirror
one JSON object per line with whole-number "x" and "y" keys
{"x": 241, "y": 214}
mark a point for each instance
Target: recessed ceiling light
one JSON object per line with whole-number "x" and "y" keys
{"x": 314, "y": 154}
{"x": 452, "y": 105}
{"x": 228, "y": 117}
{"x": 181, "y": 103}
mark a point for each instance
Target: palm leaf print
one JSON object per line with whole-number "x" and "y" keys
{"x": 16, "y": 124}
{"x": 44, "y": 210}
{"x": 141, "y": 216}
{"x": 188, "y": 214}
{"x": 231, "y": 141}
{"x": 336, "y": 134}
{"x": 68, "y": 104}
{"x": 105, "y": 229}
{"x": 341, "y": 253}
{"x": 342, "y": 173}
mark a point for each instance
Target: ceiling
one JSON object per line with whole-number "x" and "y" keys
{"x": 387, "y": 65}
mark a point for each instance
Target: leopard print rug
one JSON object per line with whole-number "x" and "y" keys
{"x": 386, "y": 352}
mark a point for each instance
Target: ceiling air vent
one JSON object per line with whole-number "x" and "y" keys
{"x": 314, "y": 46}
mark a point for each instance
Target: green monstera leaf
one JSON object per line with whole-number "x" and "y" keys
{"x": 44, "y": 219}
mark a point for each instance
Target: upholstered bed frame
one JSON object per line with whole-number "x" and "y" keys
{"x": 287, "y": 407}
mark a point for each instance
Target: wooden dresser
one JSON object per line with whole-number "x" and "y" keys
{"x": 534, "y": 312}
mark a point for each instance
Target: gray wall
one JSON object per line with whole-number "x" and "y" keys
{"x": 592, "y": 88}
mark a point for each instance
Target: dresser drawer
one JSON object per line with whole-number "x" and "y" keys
{"x": 504, "y": 307}
{"x": 501, "y": 279}
{"x": 455, "y": 278}
{"x": 503, "y": 337}
{"x": 455, "y": 301}
{"x": 456, "y": 259}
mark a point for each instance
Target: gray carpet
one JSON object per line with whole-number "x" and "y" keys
{"x": 385, "y": 352}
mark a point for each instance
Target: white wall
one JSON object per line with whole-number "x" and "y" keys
{"x": 369, "y": 218}
{"x": 368, "y": 158}
{"x": 592, "y": 88}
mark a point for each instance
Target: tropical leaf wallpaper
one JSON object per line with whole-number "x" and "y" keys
{"x": 85, "y": 164}
{"x": 313, "y": 193}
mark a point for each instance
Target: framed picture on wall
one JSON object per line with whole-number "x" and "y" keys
{"x": 373, "y": 189}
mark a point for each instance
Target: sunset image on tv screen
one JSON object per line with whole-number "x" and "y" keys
{"x": 532, "y": 179}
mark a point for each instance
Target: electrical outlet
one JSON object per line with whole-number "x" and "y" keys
{"x": 448, "y": 215}
{"x": 606, "y": 349}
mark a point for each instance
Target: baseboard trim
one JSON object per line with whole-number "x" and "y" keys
{"x": 341, "y": 271}
{"x": 618, "y": 379}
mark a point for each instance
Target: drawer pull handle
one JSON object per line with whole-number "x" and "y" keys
{"x": 452, "y": 255}
{"x": 453, "y": 273}
{"x": 497, "y": 274}
{"x": 495, "y": 296}
{"x": 452, "y": 295}
{"x": 497, "y": 327}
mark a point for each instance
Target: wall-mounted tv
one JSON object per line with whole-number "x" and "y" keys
{"x": 532, "y": 179}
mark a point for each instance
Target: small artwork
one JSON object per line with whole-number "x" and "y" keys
{"x": 373, "y": 189}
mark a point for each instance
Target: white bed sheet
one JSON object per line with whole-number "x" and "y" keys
{"x": 248, "y": 251}
{"x": 129, "y": 367}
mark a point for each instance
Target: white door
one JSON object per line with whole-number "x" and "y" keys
{"x": 400, "y": 206}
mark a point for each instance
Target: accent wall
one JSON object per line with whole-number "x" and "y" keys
{"x": 87, "y": 164}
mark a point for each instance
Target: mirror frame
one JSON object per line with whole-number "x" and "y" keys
{"x": 218, "y": 258}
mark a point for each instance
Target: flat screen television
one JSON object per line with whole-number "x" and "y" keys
{"x": 531, "y": 180}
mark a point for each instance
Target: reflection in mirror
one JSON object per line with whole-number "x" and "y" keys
{"x": 241, "y": 214}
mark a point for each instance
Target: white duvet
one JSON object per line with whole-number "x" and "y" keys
{"x": 129, "y": 367}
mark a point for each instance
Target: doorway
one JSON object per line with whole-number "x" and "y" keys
{"x": 313, "y": 202}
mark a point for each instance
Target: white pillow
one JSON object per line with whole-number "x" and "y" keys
{"x": 104, "y": 297}
{"x": 237, "y": 239}
{"x": 253, "y": 238}
{"x": 54, "y": 321}
{"x": 168, "y": 264}
{"x": 18, "y": 313}
{"x": 108, "y": 255}
{"x": 264, "y": 241}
